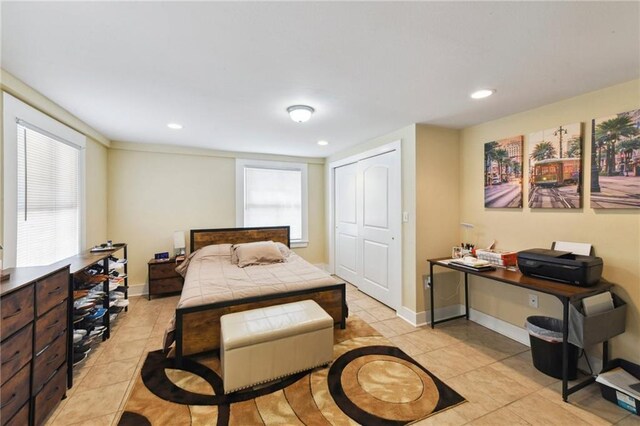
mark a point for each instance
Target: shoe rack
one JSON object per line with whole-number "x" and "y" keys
{"x": 100, "y": 285}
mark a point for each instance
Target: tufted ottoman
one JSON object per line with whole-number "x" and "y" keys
{"x": 268, "y": 343}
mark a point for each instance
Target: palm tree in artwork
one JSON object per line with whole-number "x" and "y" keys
{"x": 501, "y": 155}
{"x": 543, "y": 151}
{"x": 610, "y": 132}
{"x": 489, "y": 157}
{"x": 574, "y": 147}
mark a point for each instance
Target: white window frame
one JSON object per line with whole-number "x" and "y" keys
{"x": 13, "y": 110}
{"x": 241, "y": 164}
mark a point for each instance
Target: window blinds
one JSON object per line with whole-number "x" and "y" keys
{"x": 48, "y": 198}
{"x": 273, "y": 197}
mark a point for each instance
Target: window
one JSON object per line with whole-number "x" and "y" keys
{"x": 272, "y": 194}
{"x": 43, "y": 187}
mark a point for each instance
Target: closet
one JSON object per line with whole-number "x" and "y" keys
{"x": 366, "y": 212}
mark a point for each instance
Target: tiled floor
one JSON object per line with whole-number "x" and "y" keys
{"x": 492, "y": 372}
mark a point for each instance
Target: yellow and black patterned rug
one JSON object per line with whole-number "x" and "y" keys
{"x": 370, "y": 382}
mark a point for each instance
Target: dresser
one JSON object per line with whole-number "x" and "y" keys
{"x": 34, "y": 343}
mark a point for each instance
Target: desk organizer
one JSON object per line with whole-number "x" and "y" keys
{"x": 585, "y": 331}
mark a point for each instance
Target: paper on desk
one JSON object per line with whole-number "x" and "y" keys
{"x": 620, "y": 380}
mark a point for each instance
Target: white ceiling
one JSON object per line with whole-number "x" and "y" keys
{"x": 228, "y": 71}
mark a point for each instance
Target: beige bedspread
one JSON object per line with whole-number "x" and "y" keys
{"x": 211, "y": 277}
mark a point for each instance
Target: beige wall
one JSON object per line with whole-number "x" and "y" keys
{"x": 407, "y": 136}
{"x": 437, "y": 203}
{"x": 153, "y": 194}
{"x": 615, "y": 234}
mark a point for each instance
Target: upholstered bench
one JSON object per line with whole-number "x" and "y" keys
{"x": 268, "y": 343}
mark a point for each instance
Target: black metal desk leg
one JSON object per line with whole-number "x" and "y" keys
{"x": 432, "y": 308}
{"x": 466, "y": 294}
{"x": 565, "y": 349}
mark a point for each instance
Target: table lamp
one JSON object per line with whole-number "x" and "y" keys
{"x": 179, "y": 243}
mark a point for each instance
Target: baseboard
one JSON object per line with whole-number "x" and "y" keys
{"x": 138, "y": 290}
{"x": 418, "y": 319}
{"x": 499, "y": 326}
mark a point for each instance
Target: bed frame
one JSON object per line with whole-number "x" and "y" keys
{"x": 198, "y": 327}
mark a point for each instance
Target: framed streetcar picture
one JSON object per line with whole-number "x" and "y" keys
{"x": 615, "y": 161}
{"x": 503, "y": 173}
{"x": 555, "y": 167}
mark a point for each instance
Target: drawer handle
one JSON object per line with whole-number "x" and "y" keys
{"x": 53, "y": 325}
{"x": 52, "y": 393}
{"x": 14, "y": 356}
{"x": 13, "y": 314}
{"x": 13, "y": 395}
{"x": 57, "y": 289}
{"x": 50, "y": 360}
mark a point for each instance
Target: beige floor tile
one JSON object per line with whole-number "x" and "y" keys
{"x": 384, "y": 329}
{"x": 501, "y": 417}
{"x": 117, "y": 351}
{"x": 91, "y": 404}
{"x": 630, "y": 420}
{"x": 399, "y": 325}
{"x": 430, "y": 340}
{"x": 366, "y": 316}
{"x": 445, "y": 418}
{"x": 367, "y": 303}
{"x": 522, "y": 370}
{"x": 478, "y": 404}
{"x": 587, "y": 404}
{"x": 500, "y": 387}
{"x": 453, "y": 360}
{"x": 383, "y": 313}
{"x": 116, "y": 418}
{"x": 132, "y": 333}
{"x": 105, "y": 374}
{"x": 405, "y": 345}
{"x": 538, "y": 410}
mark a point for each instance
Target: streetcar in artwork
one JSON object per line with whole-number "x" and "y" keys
{"x": 556, "y": 172}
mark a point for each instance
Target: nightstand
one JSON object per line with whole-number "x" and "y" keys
{"x": 163, "y": 278}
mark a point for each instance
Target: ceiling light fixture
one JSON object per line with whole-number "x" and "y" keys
{"x": 484, "y": 93}
{"x": 174, "y": 126}
{"x": 323, "y": 143}
{"x": 300, "y": 113}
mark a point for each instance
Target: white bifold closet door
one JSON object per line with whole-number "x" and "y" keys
{"x": 367, "y": 219}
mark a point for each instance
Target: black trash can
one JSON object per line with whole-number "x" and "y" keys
{"x": 545, "y": 335}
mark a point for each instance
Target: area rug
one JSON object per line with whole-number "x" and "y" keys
{"x": 370, "y": 382}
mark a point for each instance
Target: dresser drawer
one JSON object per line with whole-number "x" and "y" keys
{"x": 17, "y": 310}
{"x": 50, "y": 395}
{"x": 48, "y": 361}
{"x": 50, "y": 326}
{"x": 51, "y": 291}
{"x": 15, "y": 352}
{"x": 21, "y": 418}
{"x": 163, "y": 270}
{"x": 14, "y": 393}
{"x": 169, "y": 285}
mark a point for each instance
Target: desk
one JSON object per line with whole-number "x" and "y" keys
{"x": 566, "y": 293}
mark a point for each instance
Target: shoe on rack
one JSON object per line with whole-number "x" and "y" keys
{"x": 79, "y": 357}
{"x": 97, "y": 314}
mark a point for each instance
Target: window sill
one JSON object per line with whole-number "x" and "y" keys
{"x": 299, "y": 243}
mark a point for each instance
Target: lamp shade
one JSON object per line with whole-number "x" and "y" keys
{"x": 178, "y": 240}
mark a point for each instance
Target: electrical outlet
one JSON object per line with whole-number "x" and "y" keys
{"x": 533, "y": 300}
{"x": 426, "y": 279}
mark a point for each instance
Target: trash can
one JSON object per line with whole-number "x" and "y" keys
{"x": 545, "y": 335}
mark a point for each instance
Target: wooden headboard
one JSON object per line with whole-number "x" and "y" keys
{"x": 204, "y": 237}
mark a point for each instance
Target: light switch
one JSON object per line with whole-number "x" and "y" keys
{"x": 405, "y": 217}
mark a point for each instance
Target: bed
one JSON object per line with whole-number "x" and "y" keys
{"x": 196, "y": 327}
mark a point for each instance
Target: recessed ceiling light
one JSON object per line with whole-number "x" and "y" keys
{"x": 300, "y": 113}
{"x": 174, "y": 126}
{"x": 484, "y": 93}
{"x": 323, "y": 143}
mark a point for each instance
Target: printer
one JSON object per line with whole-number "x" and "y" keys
{"x": 562, "y": 266}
